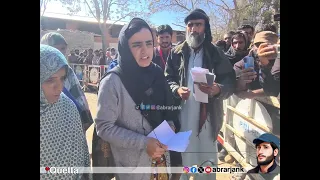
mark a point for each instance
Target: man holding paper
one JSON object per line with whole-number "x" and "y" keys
{"x": 202, "y": 111}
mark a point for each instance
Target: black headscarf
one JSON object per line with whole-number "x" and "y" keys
{"x": 145, "y": 85}
{"x": 200, "y": 14}
{"x": 236, "y": 55}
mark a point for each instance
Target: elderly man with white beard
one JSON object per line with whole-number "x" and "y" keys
{"x": 204, "y": 119}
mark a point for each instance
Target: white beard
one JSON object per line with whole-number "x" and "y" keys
{"x": 195, "y": 41}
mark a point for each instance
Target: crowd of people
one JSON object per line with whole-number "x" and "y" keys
{"x": 90, "y": 57}
{"x": 145, "y": 74}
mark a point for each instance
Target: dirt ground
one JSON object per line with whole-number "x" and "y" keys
{"x": 92, "y": 100}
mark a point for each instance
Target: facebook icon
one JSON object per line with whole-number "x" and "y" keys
{"x": 193, "y": 169}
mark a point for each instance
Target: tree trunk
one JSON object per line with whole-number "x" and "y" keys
{"x": 235, "y": 13}
{"x": 276, "y": 10}
{"x": 103, "y": 28}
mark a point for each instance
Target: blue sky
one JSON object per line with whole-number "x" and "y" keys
{"x": 156, "y": 19}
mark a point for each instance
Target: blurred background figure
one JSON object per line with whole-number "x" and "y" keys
{"x": 227, "y": 38}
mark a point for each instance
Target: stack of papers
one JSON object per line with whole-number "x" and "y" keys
{"x": 201, "y": 75}
{"x": 175, "y": 142}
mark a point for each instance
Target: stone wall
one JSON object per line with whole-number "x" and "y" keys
{"x": 75, "y": 39}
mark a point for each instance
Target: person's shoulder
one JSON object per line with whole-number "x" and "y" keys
{"x": 72, "y": 78}
{"x": 114, "y": 62}
{"x": 157, "y": 68}
{"x": 216, "y": 53}
{"x": 67, "y": 103}
{"x": 177, "y": 51}
{"x": 179, "y": 48}
{"x": 254, "y": 170}
{"x": 111, "y": 78}
{"x": 215, "y": 48}
{"x": 276, "y": 170}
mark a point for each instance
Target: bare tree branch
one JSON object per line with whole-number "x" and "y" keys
{"x": 218, "y": 5}
{"x": 119, "y": 4}
{"x": 192, "y": 4}
{"x": 178, "y": 25}
{"x": 91, "y": 11}
{"x": 106, "y": 10}
{"x": 44, "y": 3}
{"x": 260, "y": 8}
{"x": 97, "y": 8}
{"x": 182, "y": 6}
{"x": 110, "y": 3}
{"x": 245, "y": 7}
{"x": 225, "y": 3}
{"x": 235, "y": 4}
{"x": 102, "y": 5}
{"x": 126, "y": 15}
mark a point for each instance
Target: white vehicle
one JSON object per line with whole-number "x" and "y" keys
{"x": 245, "y": 120}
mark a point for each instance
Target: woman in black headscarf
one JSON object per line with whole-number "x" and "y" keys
{"x": 239, "y": 47}
{"x": 135, "y": 82}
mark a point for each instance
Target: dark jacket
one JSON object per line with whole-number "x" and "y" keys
{"x": 88, "y": 59}
{"x": 273, "y": 171}
{"x": 214, "y": 60}
{"x": 157, "y": 60}
{"x": 270, "y": 78}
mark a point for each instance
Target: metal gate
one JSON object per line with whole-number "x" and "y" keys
{"x": 89, "y": 75}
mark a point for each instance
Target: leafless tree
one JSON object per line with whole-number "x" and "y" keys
{"x": 104, "y": 10}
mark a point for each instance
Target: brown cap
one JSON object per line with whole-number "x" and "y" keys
{"x": 266, "y": 37}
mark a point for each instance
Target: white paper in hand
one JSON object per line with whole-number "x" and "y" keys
{"x": 163, "y": 132}
{"x": 180, "y": 141}
{"x": 175, "y": 142}
{"x": 199, "y": 75}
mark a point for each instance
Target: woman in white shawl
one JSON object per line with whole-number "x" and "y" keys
{"x": 62, "y": 141}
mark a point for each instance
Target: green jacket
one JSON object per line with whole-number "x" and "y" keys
{"x": 217, "y": 63}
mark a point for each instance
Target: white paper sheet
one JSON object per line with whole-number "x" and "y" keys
{"x": 175, "y": 142}
{"x": 199, "y": 75}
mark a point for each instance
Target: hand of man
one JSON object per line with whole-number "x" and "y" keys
{"x": 212, "y": 90}
{"x": 266, "y": 52}
{"x": 184, "y": 93}
{"x": 155, "y": 149}
{"x": 245, "y": 76}
{"x": 173, "y": 128}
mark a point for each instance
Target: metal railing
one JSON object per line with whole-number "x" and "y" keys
{"x": 89, "y": 75}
